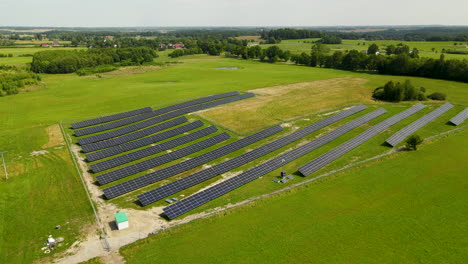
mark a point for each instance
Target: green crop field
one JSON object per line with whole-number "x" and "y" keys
{"x": 409, "y": 208}
{"x": 424, "y": 47}
{"x": 43, "y": 189}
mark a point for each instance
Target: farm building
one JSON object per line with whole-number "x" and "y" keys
{"x": 121, "y": 220}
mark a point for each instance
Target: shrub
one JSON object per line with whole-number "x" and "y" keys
{"x": 437, "y": 96}
{"x": 97, "y": 69}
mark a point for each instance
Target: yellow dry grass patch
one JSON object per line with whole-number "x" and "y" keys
{"x": 55, "y": 137}
{"x": 285, "y": 102}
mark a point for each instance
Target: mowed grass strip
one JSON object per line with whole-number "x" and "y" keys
{"x": 409, "y": 209}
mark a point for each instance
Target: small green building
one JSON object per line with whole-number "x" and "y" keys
{"x": 121, "y": 220}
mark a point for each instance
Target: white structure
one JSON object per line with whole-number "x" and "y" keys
{"x": 121, "y": 220}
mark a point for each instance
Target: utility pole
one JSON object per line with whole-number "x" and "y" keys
{"x": 4, "y": 165}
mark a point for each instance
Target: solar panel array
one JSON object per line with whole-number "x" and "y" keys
{"x": 129, "y": 157}
{"x": 148, "y": 114}
{"x": 194, "y": 102}
{"x": 458, "y": 119}
{"x": 157, "y": 119}
{"x": 159, "y": 160}
{"x": 133, "y": 136}
{"x": 142, "y": 142}
{"x": 164, "y": 173}
{"x": 206, "y": 174}
{"x": 109, "y": 118}
{"x": 413, "y": 127}
{"x": 217, "y": 190}
{"x": 349, "y": 145}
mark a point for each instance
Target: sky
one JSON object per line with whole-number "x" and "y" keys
{"x": 164, "y": 13}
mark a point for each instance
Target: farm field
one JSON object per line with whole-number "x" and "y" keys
{"x": 27, "y": 130}
{"x": 389, "y": 211}
{"x": 424, "y": 47}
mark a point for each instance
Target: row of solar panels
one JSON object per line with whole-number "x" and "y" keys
{"x": 164, "y": 173}
{"x": 224, "y": 187}
{"x": 458, "y": 119}
{"x": 349, "y": 145}
{"x": 109, "y": 118}
{"x": 159, "y": 160}
{"x": 413, "y": 127}
{"x": 151, "y": 150}
{"x": 160, "y": 111}
{"x": 206, "y": 174}
{"x": 133, "y": 136}
{"x": 157, "y": 119}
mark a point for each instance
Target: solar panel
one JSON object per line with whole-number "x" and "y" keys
{"x": 164, "y": 173}
{"x": 201, "y": 176}
{"x": 146, "y": 141}
{"x": 349, "y": 145}
{"x": 151, "y": 150}
{"x": 413, "y": 127}
{"x": 157, "y": 161}
{"x": 157, "y": 119}
{"x": 108, "y": 118}
{"x": 134, "y": 135}
{"x": 217, "y": 190}
{"x": 458, "y": 119}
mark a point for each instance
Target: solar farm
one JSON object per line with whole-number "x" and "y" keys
{"x": 162, "y": 148}
{"x": 265, "y": 158}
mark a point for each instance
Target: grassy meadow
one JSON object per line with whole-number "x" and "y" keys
{"x": 44, "y": 191}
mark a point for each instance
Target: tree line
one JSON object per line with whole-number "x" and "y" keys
{"x": 401, "y": 61}
{"x": 68, "y": 61}
{"x": 396, "y": 92}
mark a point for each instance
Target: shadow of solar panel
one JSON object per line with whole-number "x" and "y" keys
{"x": 349, "y": 145}
{"x": 399, "y": 136}
{"x": 458, "y": 119}
{"x": 134, "y": 135}
{"x": 143, "y": 142}
{"x": 198, "y": 177}
{"x": 220, "y": 189}
{"x": 164, "y": 173}
{"x": 109, "y": 118}
{"x": 154, "y": 162}
{"x": 118, "y": 132}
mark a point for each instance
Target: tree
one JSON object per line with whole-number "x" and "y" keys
{"x": 413, "y": 141}
{"x": 373, "y": 49}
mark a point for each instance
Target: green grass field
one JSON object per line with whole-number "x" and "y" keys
{"x": 424, "y": 47}
{"x": 409, "y": 208}
{"x": 47, "y": 192}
